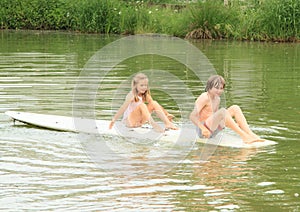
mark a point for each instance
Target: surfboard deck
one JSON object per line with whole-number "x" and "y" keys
{"x": 186, "y": 132}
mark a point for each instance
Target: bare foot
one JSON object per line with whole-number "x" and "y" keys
{"x": 260, "y": 140}
{"x": 170, "y": 117}
{"x": 156, "y": 127}
{"x": 250, "y": 140}
{"x": 257, "y": 138}
{"x": 171, "y": 127}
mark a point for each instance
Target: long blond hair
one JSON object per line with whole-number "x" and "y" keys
{"x": 136, "y": 79}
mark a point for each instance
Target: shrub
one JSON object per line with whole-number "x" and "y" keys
{"x": 252, "y": 19}
{"x": 211, "y": 19}
{"x": 279, "y": 19}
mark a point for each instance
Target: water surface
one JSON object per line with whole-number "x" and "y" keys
{"x": 47, "y": 170}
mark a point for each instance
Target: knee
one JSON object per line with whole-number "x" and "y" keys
{"x": 143, "y": 107}
{"x": 154, "y": 104}
{"x": 144, "y": 111}
{"x": 222, "y": 113}
{"x": 235, "y": 108}
{"x": 151, "y": 105}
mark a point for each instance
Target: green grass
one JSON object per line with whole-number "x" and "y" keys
{"x": 267, "y": 20}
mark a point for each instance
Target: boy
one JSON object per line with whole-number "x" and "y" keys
{"x": 210, "y": 120}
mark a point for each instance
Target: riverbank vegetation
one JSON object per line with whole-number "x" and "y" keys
{"x": 259, "y": 20}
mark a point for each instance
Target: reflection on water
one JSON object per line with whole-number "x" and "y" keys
{"x": 36, "y": 79}
{"x": 47, "y": 170}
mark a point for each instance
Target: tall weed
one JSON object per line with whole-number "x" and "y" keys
{"x": 211, "y": 19}
{"x": 251, "y": 20}
{"x": 98, "y": 16}
{"x": 279, "y": 20}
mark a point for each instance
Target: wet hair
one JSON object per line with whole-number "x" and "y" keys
{"x": 136, "y": 79}
{"x": 215, "y": 81}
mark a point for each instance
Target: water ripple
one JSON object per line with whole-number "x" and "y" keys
{"x": 43, "y": 170}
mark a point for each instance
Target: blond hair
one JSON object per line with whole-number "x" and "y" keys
{"x": 215, "y": 81}
{"x": 136, "y": 79}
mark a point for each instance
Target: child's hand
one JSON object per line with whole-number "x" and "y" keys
{"x": 111, "y": 124}
{"x": 158, "y": 129}
{"x": 205, "y": 132}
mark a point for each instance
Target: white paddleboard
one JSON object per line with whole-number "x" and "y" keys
{"x": 186, "y": 133}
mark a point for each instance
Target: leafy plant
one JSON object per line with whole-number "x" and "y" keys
{"x": 211, "y": 19}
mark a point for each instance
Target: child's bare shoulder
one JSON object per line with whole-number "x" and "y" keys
{"x": 130, "y": 96}
{"x": 203, "y": 98}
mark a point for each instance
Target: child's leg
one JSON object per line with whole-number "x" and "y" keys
{"x": 162, "y": 114}
{"x": 155, "y": 106}
{"x": 236, "y": 112}
{"x": 222, "y": 115}
{"x": 216, "y": 120}
{"x": 140, "y": 116}
{"x": 229, "y": 122}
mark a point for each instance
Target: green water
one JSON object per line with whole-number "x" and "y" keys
{"x": 46, "y": 170}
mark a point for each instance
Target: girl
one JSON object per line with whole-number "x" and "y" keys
{"x": 210, "y": 120}
{"x": 136, "y": 112}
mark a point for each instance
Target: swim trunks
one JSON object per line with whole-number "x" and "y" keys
{"x": 212, "y": 133}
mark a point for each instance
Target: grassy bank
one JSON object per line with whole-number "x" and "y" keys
{"x": 267, "y": 20}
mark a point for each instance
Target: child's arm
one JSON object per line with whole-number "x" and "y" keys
{"x": 200, "y": 103}
{"x": 122, "y": 109}
{"x": 195, "y": 118}
{"x": 149, "y": 98}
